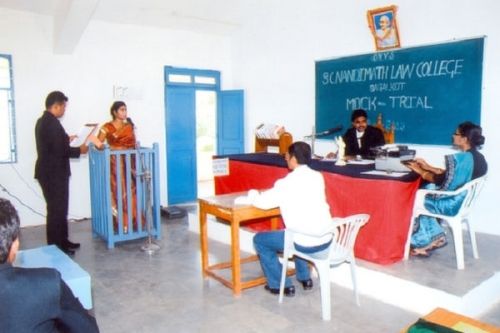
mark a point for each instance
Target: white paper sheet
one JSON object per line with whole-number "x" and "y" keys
{"x": 83, "y": 135}
{"x": 242, "y": 200}
{"x": 385, "y": 173}
{"x": 361, "y": 162}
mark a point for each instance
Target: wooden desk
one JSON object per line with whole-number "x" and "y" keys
{"x": 223, "y": 207}
{"x": 450, "y": 319}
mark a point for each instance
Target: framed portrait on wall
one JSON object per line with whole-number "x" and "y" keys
{"x": 384, "y": 27}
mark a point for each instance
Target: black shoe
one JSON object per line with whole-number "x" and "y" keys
{"x": 307, "y": 284}
{"x": 288, "y": 291}
{"x": 69, "y": 252}
{"x": 71, "y": 245}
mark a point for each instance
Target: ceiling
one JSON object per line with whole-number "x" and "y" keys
{"x": 71, "y": 17}
{"x": 213, "y": 16}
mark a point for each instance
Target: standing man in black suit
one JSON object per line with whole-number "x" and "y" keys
{"x": 34, "y": 299}
{"x": 52, "y": 169}
{"x": 361, "y": 136}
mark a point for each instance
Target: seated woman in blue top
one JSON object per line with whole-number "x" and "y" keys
{"x": 461, "y": 168}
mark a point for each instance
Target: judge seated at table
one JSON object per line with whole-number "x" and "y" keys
{"x": 34, "y": 299}
{"x": 361, "y": 137}
{"x": 302, "y": 200}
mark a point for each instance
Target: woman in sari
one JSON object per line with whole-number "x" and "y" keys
{"x": 119, "y": 134}
{"x": 462, "y": 167}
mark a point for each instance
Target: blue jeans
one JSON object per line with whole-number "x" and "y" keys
{"x": 268, "y": 245}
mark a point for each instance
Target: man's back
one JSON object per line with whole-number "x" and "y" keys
{"x": 302, "y": 199}
{"x": 37, "y": 300}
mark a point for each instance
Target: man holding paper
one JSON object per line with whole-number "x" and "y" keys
{"x": 52, "y": 169}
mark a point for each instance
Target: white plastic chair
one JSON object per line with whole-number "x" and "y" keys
{"x": 472, "y": 188}
{"x": 344, "y": 231}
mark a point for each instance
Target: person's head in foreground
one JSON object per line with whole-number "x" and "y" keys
{"x": 9, "y": 231}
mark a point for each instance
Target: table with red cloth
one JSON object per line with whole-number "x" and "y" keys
{"x": 388, "y": 200}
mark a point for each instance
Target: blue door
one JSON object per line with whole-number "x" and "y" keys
{"x": 181, "y": 133}
{"x": 181, "y": 144}
{"x": 230, "y": 133}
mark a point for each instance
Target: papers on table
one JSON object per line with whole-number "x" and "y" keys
{"x": 468, "y": 328}
{"x": 385, "y": 173}
{"x": 83, "y": 134}
{"x": 242, "y": 200}
{"x": 247, "y": 199}
{"x": 361, "y": 162}
{"x": 269, "y": 131}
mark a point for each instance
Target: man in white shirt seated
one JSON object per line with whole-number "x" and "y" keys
{"x": 302, "y": 200}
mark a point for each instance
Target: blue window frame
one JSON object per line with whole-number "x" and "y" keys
{"x": 8, "y": 149}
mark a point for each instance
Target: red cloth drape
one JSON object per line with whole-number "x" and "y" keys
{"x": 388, "y": 201}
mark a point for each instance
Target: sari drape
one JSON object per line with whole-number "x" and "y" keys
{"x": 427, "y": 229}
{"x": 122, "y": 139}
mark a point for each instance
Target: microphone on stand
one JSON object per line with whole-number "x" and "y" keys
{"x": 129, "y": 120}
{"x": 330, "y": 131}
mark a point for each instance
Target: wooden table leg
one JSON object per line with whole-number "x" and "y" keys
{"x": 203, "y": 239}
{"x": 235, "y": 256}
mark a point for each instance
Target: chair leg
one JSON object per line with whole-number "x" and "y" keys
{"x": 283, "y": 276}
{"x": 324, "y": 280}
{"x": 408, "y": 239}
{"x": 456, "y": 228}
{"x": 352, "y": 263}
{"x": 472, "y": 235}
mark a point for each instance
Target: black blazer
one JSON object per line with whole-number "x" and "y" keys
{"x": 52, "y": 146}
{"x": 38, "y": 300}
{"x": 373, "y": 137}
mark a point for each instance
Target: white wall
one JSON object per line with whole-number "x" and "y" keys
{"x": 107, "y": 55}
{"x": 272, "y": 58}
{"x": 274, "y": 61}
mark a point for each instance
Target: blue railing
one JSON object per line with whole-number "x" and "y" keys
{"x": 121, "y": 210}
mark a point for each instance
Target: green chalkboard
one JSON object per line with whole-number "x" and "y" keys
{"x": 424, "y": 91}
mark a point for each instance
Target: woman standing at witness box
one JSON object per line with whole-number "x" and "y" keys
{"x": 461, "y": 168}
{"x": 119, "y": 134}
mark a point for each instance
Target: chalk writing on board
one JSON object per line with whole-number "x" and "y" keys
{"x": 423, "y": 69}
{"x": 370, "y": 103}
{"x": 423, "y": 91}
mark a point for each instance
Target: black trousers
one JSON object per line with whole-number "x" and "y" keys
{"x": 56, "y": 192}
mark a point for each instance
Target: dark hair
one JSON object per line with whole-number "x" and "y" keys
{"x": 115, "y": 106}
{"x": 358, "y": 113}
{"x": 54, "y": 98}
{"x": 473, "y": 133}
{"x": 301, "y": 151}
{"x": 9, "y": 228}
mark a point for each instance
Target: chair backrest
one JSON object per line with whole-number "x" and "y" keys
{"x": 344, "y": 235}
{"x": 473, "y": 189}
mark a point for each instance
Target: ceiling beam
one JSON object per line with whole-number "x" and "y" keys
{"x": 70, "y": 21}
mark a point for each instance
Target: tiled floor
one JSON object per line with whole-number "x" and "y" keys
{"x": 164, "y": 292}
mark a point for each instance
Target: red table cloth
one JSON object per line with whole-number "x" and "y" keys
{"x": 389, "y": 201}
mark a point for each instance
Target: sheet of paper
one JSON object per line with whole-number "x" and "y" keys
{"x": 361, "y": 162}
{"x": 467, "y": 328}
{"x": 220, "y": 167}
{"x": 242, "y": 200}
{"x": 82, "y": 135}
{"x": 385, "y": 173}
